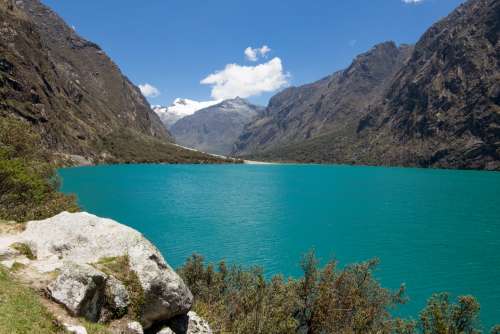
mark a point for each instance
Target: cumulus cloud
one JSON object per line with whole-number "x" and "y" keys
{"x": 412, "y": 1}
{"x": 149, "y": 90}
{"x": 245, "y": 81}
{"x": 253, "y": 54}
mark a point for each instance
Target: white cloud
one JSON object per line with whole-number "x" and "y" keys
{"x": 244, "y": 81}
{"x": 253, "y": 54}
{"x": 412, "y": 1}
{"x": 149, "y": 90}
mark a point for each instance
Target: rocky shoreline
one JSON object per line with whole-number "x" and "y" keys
{"x": 102, "y": 271}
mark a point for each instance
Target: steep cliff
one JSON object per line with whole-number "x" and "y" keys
{"x": 443, "y": 108}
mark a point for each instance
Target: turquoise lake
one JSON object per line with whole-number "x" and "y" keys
{"x": 434, "y": 230}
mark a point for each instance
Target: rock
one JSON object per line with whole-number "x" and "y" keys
{"x": 166, "y": 330}
{"x": 117, "y": 300}
{"x": 190, "y": 323}
{"x": 75, "y": 329}
{"x": 134, "y": 328}
{"x": 83, "y": 238}
{"x": 80, "y": 288}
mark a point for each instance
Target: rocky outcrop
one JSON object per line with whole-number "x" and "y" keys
{"x": 134, "y": 328}
{"x": 215, "y": 129}
{"x": 80, "y": 288}
{"x": 79, "y": 246}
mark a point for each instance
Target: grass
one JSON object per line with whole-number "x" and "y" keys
{"x": 24, "y": 249}
{"x": 94, "y": 328}
{"x": 21, "y": 311}
{"x": 119, "y": 267}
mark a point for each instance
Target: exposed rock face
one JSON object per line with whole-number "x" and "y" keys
{"x": 335, "y": 103}
{"x": 116, "y": 299}
{"x": 73, "y": 93}
{"x": 72, "y": 241}
{"x": 215, "y": 129}
{"x": 443, "y": 108}
{"x": 439, "y": 108}
{"x": 80, "y": 288}
{"x": 134, "y": 328}
{"x": 75, "y": 329}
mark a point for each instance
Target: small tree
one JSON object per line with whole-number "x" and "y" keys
{"x": 442, "y": 317}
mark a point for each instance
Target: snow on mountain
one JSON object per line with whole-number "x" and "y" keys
{"x": 181, "y": 108}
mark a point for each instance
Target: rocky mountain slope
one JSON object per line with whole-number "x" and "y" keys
{"x": 215, "y": 129}
{"x": 335, "y": 103}
{"x": 72, "y": 92}
{"x": 441, "y": 108}
{"x": 181, "y": 108}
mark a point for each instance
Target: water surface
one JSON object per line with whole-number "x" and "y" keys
{"x": 435, "y": 230}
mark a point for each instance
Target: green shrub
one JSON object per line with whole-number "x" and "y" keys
{"x": 325, "y": 300}
{"x": 28, "y": 181}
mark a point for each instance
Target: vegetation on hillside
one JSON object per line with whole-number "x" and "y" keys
{"x": 128, "y": 146}
{"x": 325, "y": 300}
{"x": 28, "y": 179}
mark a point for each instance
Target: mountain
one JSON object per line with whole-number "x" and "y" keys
{"x": 216, "y": 128}
{"x": 443, "y": 108}
{"x": 440, "y": 108}
{"x": 72, "y": 92}
{"x": 180, "y": 108}
{"x": 333, "y": 104}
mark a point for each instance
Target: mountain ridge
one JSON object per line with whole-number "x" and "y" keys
{"x": 73, "y": 94}
{"x": 338, "y": 100}
{"x": 440, "y": 109}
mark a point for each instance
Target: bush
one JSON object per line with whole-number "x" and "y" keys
{"x": 325, "y": 300}
{"x": 28, "y": 179}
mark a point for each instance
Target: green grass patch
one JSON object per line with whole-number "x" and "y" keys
{"x": 17, "y": 266}
{"x": 21, "y": 311}
{"x": 94, "y": 328}
{"x": 24, "y": 249}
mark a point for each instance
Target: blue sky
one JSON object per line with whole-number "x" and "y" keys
{"x": 173, "y": 45}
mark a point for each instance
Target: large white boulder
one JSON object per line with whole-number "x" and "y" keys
{"x": 83, "y": 238}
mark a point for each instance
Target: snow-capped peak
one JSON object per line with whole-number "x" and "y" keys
{"x": 181, "y": 108}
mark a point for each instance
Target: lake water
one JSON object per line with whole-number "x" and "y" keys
{"x": 435, "y": 230}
